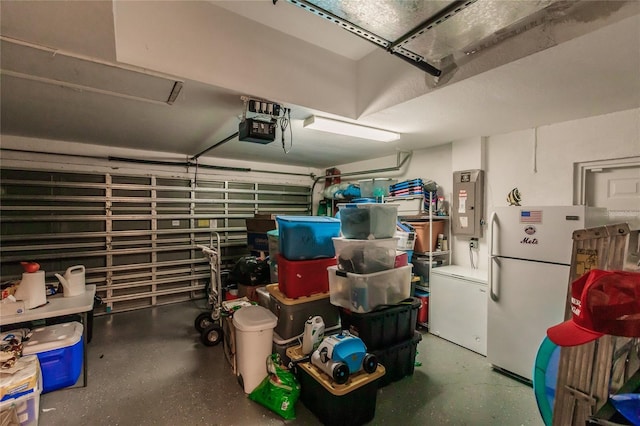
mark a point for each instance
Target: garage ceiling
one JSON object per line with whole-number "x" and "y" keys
{"x": 103, "y": 73}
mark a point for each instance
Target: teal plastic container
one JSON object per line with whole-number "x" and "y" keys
{"x": 307, "y": 237}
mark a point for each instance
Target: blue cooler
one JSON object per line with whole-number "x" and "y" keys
{"x": 60, "y": 352}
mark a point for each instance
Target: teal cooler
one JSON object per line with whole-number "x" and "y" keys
{"x": 60, "y": 352}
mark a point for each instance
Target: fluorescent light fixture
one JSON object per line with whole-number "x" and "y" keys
{"x": 349, "y": 129}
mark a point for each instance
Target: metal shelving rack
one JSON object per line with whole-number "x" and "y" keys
{"x": 431, "y": 254}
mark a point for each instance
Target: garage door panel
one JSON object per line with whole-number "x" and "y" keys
{"x": 136, "y": 235}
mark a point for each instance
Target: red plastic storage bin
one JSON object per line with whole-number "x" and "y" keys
{"x": 402, "y": 259}
{"x": 299, "y": 278}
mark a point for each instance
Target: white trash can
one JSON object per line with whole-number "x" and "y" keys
{"x": 254, "y": 339}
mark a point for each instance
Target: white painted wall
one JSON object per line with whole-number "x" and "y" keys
{"x": 510, "y": 157}
{"x": 538, "y": 162}
{"x": 468, "y": 154}
{"x": 544, "y": 175}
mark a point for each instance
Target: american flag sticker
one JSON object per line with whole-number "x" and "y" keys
{"x": 530, "y": 216}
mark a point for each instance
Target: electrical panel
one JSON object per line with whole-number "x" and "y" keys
{"x": 258, "y": 131}
{"x": 467, "y": 211}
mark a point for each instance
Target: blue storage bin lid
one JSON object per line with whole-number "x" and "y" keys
{"x": 312, "y": 219}
{"x": 405, "y": 227}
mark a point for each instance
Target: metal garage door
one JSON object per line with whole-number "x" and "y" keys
{"x": 136, "y": 235}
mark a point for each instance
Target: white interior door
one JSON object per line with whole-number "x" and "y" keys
{"x": 617, "y": 188}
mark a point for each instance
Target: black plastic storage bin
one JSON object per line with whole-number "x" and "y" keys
{"x": 398, "y": 360}
{"x": 350, "y": 404}
{"x": 383, "y": 327}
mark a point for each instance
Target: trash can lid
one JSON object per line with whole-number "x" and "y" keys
{"x": 254, "y": 318}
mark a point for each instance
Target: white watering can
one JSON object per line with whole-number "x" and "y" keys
{"x": 73, "y": 281}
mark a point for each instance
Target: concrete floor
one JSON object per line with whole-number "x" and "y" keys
{"x": 148, "y": 367}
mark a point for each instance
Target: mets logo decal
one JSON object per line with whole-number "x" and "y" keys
{"x": 530, "y": 230}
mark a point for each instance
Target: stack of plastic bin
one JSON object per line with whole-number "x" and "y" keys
{"x": 390, "y": 334}
{"x": 306, "y": 250}
{"x": 366, "y": 275}
{"x": 373, "y": 289}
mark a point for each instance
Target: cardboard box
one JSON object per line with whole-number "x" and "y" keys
{"x": 21, "y": 379}
{"x": 261, "y": 223}
{"x": 257, "y": 242}
{"x": 249, "y": 291}
{"x": 257, "y": 228}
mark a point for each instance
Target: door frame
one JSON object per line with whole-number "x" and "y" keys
{"x": 581, "y": 170}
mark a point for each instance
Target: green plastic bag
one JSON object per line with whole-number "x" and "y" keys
{"x": 279, "y": 391}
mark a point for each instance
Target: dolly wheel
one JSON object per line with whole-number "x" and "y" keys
{"x": 203, "y": 321}
{"x": 211, "y": 335}
{"x": 369, "y": 363}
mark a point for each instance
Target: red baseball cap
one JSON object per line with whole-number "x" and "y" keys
{"x": 602, "y": 302}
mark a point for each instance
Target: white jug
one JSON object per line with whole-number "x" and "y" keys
{"x": 73, "y": 281}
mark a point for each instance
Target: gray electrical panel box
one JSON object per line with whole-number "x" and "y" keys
{"x": 467, "y": 213}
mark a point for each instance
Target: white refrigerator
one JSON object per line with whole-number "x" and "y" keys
{"x": 530, "y": 249}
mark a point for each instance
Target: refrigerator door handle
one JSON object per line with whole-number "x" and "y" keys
{"x": 492, "y": 293}
{"x": 492, "y": 230}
